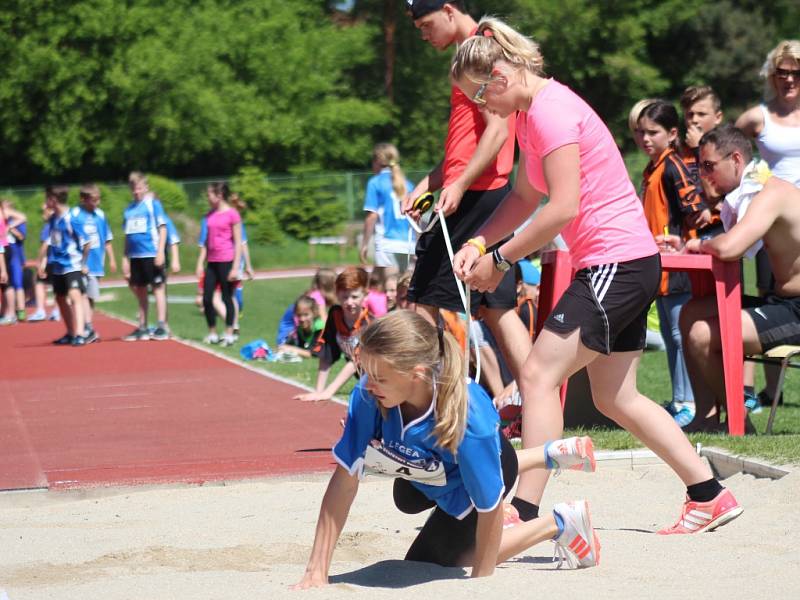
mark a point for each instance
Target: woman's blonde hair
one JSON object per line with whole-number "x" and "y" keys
{"x": 387, "y": 155}
{"x": 494, "y": 41}
{"x": 636, "y": 112}
{"x": 405, "y": 340}
{"x": 787, "y": 49}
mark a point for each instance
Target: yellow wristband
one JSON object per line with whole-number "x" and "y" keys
{"x": 473, "y": 242}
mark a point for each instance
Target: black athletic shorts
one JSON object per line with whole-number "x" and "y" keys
{"x": 609, "y": 304}
{"x": 777, "y": 319}
{"x": 144, "y": 272}
{"x": 433, "y": 282}
{"x": 445, "y": 539}
{"x": 68, "y": 281}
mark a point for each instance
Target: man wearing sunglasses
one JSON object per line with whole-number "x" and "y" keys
{"x": 759, "y": 208}
{"x": 473, "y": 178}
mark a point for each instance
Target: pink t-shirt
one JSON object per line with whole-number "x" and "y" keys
{"x": 610, "y": 226}
{"x": 220, "y": 234}
{"x": 375, "y": 303}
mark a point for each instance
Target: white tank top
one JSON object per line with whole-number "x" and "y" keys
{"x": 779, "y": 145}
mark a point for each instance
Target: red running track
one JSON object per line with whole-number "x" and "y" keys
{"x": 121, "y": 413}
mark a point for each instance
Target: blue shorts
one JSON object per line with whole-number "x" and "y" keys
{"x": 15, "y": 264}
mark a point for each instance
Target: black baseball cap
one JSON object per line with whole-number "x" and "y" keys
{"x": 420, "y": 8}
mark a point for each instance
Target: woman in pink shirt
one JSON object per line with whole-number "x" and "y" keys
{"x": 222, "y": 250}
{"x": 568, "y": 154}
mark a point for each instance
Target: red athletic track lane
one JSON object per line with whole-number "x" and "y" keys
{"x": 120, "y": 413}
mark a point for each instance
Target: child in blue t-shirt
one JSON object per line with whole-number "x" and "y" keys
{"x": 66, "y": 263}
{"x": 385, "y": 223}
{"x": 416, "y": 418}
{"x": 145, "y": 226}
{"x": 94, "y": 223}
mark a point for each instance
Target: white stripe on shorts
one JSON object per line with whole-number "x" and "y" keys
{"x": 602, "y": 278}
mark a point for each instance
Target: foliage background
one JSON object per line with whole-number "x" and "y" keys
{"x": 91, "y": 89}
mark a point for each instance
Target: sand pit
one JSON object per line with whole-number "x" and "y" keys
{"x": 251, "y": 540}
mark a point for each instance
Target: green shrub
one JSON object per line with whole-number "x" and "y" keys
{"x": 252, "y": 186}
{"x": 171, "y": 194}
{"x": 308, "y": 206}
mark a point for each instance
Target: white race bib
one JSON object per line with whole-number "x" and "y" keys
{"x": 136, "y": 225}
{"x": 380, "y": 460}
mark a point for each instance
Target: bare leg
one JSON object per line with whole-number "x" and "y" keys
{"x": 66, "y": 314}
{"x": 78, "y": 323}
{"x": 160, "y": 294}
{"x": 512, "y": 337}
{"x": 40, "y": 294}
{"x": 490, "y": 370}
{"x": 141, "y": 296}
{"x": 429, "y": 312}
{"x": 553, "y": 359}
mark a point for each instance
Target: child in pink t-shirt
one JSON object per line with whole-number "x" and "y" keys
{"x": 599, "y": 323}
{"x": 223, "y": 250}
{"x": 375, "y": 302}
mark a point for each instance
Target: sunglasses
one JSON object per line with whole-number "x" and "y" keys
{"x": 708, "y": 166}
{"x": 478, "y": 98}
{"x": 786, "y": 73}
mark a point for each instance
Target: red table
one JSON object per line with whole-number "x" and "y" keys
{"x": 708, "y": 275}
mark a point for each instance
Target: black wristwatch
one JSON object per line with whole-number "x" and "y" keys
{"x": 500, "y": 263}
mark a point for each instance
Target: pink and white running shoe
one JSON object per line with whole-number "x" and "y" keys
{"x": 697, "y": 517}
{"x": 575, "y": 453}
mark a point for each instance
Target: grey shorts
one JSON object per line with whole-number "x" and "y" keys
{"x": 92, "y": 287}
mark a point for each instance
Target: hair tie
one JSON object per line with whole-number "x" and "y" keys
{"x": 440, "y": 335}
{"x": 487, "y": 33}
{"x": 393, "y": 164}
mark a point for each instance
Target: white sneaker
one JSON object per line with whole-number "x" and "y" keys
{"x": 39, "y": 315}
{"x": 578, "y": 544}
{"x": 211, "y": 338}
{"x": 575, "y": 453}
{"x": 227, "y": 340}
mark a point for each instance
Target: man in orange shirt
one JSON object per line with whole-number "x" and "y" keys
{"x": 473, "y": 177}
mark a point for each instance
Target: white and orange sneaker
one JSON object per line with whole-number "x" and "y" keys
{"x": 578, "y": 544}
{"x": 575, "y": 453}
{"x": 697, "y": 517}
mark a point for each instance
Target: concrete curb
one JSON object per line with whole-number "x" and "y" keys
{"x": 725, "y": 464}
{"x": 722, "y": 463}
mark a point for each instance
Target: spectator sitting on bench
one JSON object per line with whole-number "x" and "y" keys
{"x": 758, "y": 206}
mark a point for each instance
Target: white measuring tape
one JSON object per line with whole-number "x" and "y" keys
{"x": 463, "y": 290}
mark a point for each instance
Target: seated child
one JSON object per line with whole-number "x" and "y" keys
{"x": 340, "y": 337}
{"x": 376, "y": 302}
{"x": 309, "y": 327}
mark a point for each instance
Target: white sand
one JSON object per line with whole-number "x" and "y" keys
{"x": 251, "y": 540}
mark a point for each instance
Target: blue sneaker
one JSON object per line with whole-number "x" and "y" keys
{"x": 752, "y": 403}
{"x": 684, "y": 416}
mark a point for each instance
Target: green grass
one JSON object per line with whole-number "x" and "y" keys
{"x": 265, "y": 302}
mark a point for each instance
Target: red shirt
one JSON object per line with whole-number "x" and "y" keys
{"x": 464, "y": 131}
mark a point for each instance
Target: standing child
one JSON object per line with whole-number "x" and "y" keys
{"x": 95, "y": 227}
{"x": 66, "y": 258}
{"x": 309, "y": 327}
{"x": 340, "y": 336}
{"x": 385, "y": 221}
{"x": 223, "y": 251}
{"x": 145, "y": 226}
{"x": 40, "y": 288}
{"x": 671, "y": 198}
{"x": 414, "y": 417}
{"x": 16, "y": 231}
